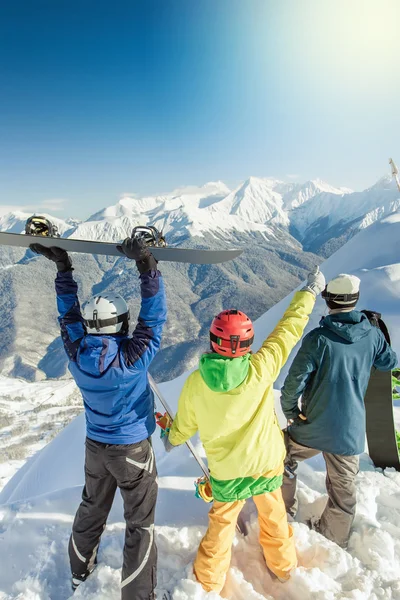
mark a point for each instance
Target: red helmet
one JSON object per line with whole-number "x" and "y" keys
{"x": 231, "y": 333}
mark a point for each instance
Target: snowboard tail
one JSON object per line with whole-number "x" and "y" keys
{"x": 381, "y": 431}
{"x": 181, "y": 255}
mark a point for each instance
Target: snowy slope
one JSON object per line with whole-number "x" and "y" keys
{"x": 298, "y": 194}
{"x": 329, "y": 209}
{"x": 38, "y": 504}
{"x": 30, "y": 416}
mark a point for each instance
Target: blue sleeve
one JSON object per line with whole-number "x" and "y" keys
{"x": 386, "y": 358}
{"x": 303, "y": 365}
{"x": 71, "y": 321}
{"x": 146, "y": 338}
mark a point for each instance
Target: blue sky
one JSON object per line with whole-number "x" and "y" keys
{"x": 98, "y": 99}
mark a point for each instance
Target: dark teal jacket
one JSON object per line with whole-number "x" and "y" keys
{"x": 331, "y": 371}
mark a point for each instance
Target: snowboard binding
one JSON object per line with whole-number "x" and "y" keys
{"x": 40, "y": 226}
{"x": 150, "y": 235}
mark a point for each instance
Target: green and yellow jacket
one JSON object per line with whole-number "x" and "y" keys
{"x": 230, "y": 402}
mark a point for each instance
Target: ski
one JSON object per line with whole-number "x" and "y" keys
{"x": 380, "y": 425}
{"x": 156, "y": 390}
{"x": 162, "y": 253}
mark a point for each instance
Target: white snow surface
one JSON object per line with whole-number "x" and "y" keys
{"x": 38, "y": 505}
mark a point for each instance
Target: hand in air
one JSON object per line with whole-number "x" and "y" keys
{"x": 134, "y": 248}
{"x": 315, "y": 282}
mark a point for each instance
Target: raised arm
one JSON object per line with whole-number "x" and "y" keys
{"x": 275, "y": 350}
{"x": 70, "y": 318}
{"x": 146, "y": 338}
{"x": 72, "y": 324}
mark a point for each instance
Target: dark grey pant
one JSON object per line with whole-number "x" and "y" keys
{"x": 338, "y": 516}
{"x": 132, "y": 468}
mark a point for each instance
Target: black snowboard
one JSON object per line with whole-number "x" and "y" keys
{"x": 381, "y": 430}
{"x": 183, "y": 255}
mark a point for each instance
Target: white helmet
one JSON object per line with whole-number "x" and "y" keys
{"x": 343, "y": 290}
{"x": 106, "y": 314}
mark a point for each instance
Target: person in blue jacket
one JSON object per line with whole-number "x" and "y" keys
{"x": 110, "y": 368}
{"x": 331, "y": 373}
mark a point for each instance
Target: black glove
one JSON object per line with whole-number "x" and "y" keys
{"x": 137, "y": 250}
{"x": 57, "y": 255}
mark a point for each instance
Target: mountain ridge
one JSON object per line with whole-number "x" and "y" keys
{"x": 310, "y": 211}
{"x": 254, "y": 216}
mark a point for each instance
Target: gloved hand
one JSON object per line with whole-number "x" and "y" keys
{"x": 57, "y": 255}
{"x": 315, "y": 282}
{"x": 300, "y": 416}
{"x": 137, "y": 250}
{"x": 164, "y": 421}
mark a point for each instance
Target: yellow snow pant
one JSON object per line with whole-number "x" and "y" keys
{"x": 276, "y": 538}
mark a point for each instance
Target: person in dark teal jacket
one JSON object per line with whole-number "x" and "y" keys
{"x": 331, "y": 373}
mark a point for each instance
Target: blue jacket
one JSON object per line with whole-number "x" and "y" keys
{"x": 331, "y": 371}
{"x": 111, "y": 370}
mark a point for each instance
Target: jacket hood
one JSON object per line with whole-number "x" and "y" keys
{"x": 351, "y": 326}
{"x": 223, "y": 374}
{"x": 96, "y": 353}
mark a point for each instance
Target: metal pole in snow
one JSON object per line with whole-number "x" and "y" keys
{"x": 395, "y": 172}
{"x": 163, "y": 401}
{"x": 241, "y": 525}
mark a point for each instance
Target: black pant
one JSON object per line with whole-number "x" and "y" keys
{"x": 132, "y": 468}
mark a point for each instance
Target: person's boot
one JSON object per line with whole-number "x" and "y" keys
{"x": 78, "y": 579}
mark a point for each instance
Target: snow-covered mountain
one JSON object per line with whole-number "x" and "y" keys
{"x": 285, "y": 228}
{"x": 314, "y": 212}
{"x": 317, "y": 214}
{"x": 38, "y": 504}
{"x": 329, "y": 216}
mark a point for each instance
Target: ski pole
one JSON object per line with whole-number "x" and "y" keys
{"x": 240, "y": 526}
{"x": 163, "y": 401}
